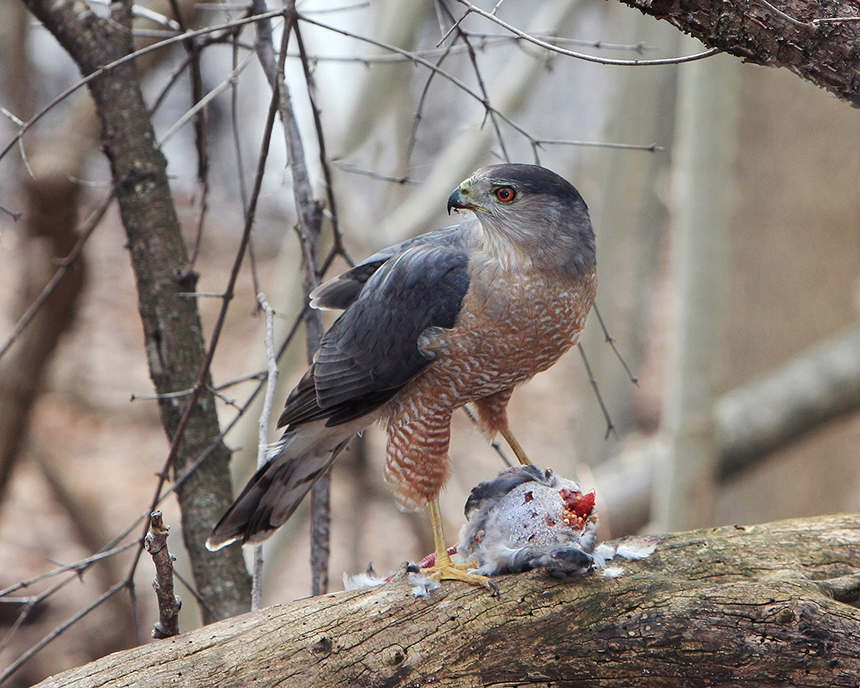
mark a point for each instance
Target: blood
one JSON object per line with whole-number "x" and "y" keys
{"x": 577, "y": 507}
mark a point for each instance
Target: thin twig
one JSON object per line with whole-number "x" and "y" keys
{"x": 196, "y": 595}
{"x": 582, "y": 56}
{"x": 78, "y": 567}
{"x": 352, "y": 169}
{"x": 609, "y": 339}
{"x": 329, "y": 186}
{"x": 425, "y": 63}
{"x": 610, "y": 428}
{"x": 15, "y": 214}
{"x": 205, "y": 100}
{"x": 18, "y": 663}
{"x": 128, "y": 58}
{"x": 135, "y": 611}
{"x": 652, "y": 148}
{"x": 485, "y": 41}
{"x": 64, "y": 265}
{"x": 834, "y": 20}
{"x": 416, "y": 119}
{"x": 263, "y": 438}
{"x": 201, "y": 133}
{"x": 783, "y": 15}
{"x": 240, "y": 165}
{"x": 171, "y": 81}
{"x": 488, "y": 111}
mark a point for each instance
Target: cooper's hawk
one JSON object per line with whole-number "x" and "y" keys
{"x": 459, "y": 315}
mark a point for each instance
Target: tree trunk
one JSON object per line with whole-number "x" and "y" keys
{"x": 768, "y": 605}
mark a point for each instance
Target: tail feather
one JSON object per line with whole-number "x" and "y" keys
{"x": 302, "y": 456}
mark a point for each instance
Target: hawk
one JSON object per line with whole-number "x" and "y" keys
{"x": 460, "y": 315}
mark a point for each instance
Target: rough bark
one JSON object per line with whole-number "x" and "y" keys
{"x": 768, "y": 605}
{"x": 825, "y": 53}
{"x": 172, "y": 328}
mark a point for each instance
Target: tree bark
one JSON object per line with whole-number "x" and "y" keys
{"x": 825, "y": 53}
{"x": 171, "y": 323}
{"x": 769, "y": 605}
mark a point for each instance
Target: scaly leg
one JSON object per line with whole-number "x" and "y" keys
{"x": 444, "y": 568}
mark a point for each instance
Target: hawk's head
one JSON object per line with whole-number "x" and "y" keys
{"x": 531, "y": 212}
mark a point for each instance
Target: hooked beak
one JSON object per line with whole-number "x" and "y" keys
{"x": 459, "y": 202}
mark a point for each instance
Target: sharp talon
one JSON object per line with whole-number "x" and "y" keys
{"x": 460, "y": 572}
{"x": 495, "y": 588}
{"x": 443, "y": 568}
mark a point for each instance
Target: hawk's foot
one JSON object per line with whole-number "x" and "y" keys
{"x": 445, "y": 569}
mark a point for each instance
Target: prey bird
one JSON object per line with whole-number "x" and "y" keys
{"x": 455, "y": 316}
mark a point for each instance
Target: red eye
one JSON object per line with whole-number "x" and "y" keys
{"x": 505, "y": 194}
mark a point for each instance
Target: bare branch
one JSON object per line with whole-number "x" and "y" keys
{"x": 610, "y": 427}
{"x": 309, "y": 212}
{"x": 609, "y": 339}
{"x": 426, "y": 63}
{"x": 65, "y": 264}
{"x": 263, "y": 438}
{"x": 124, "y": 60}
{"x": 582, "y": 56}
{"x": 464, "y": 37}
{"x": 651, "y": 148}
{"x": 59, "y": 630}
{"x": 204, "y": 101}
{"x": 352, "y": 169}
{"x": 78, "y": 567}
{"x": 323, "y": 157}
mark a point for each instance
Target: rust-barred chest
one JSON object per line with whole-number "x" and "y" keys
{"x": 512, "y": 326}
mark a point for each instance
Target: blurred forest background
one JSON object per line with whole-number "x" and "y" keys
{"x": 728, "y": 248}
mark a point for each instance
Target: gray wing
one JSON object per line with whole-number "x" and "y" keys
{"x": 371, "y": 351}
{"x": 343, "y": 290}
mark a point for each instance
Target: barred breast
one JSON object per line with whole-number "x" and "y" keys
{"x": 512, "y": 325}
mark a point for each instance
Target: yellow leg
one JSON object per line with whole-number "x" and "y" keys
{"x": 515, "y": 446}
{"x": 444, "y": 568}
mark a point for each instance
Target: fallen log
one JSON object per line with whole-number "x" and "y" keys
{"x": 768, "y": 605}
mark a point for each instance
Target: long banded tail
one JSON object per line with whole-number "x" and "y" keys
{"x": 269, "y": 499}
